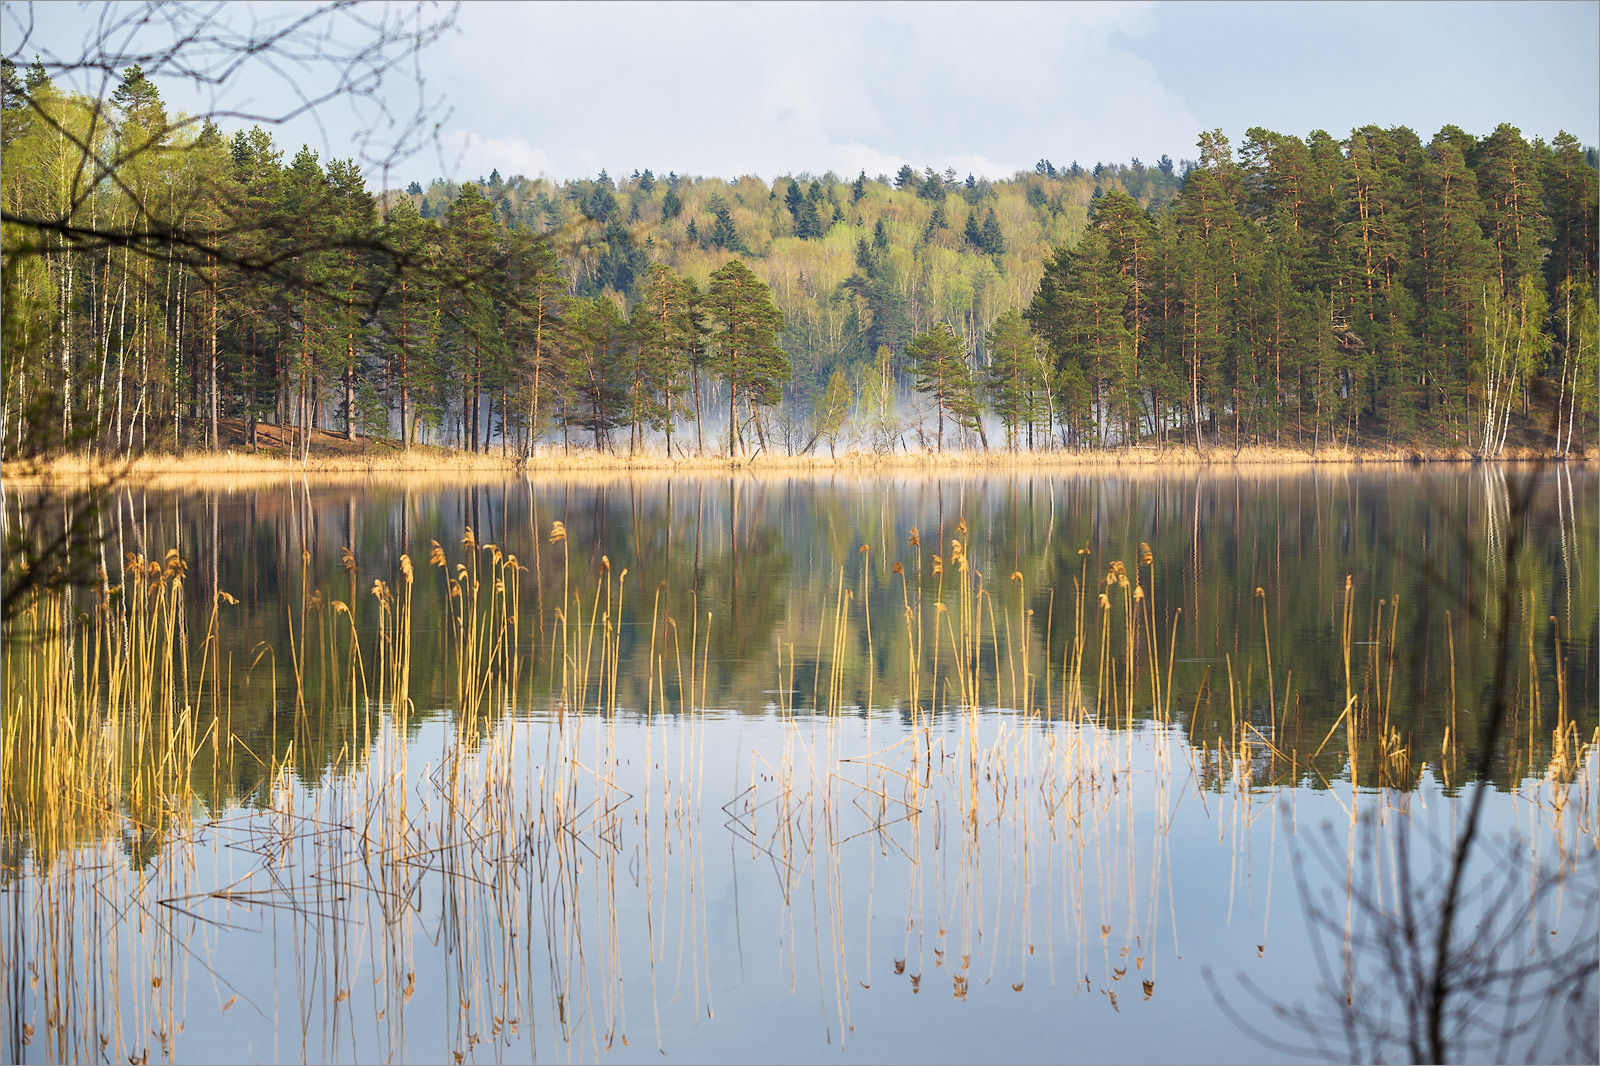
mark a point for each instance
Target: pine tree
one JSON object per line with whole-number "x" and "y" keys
{"x": 664, "y": 335}
{"x": 745, "y": 347}
{"x": 595, "y": 334}
{"x": 1570, "y": 196}
{"x": 972, "y": 233}
{"x": 1514, "y": 222}
{"x": 938, "y": 364}
{"x": 794, "y": 200}
{"x": 349, "y": 277}
{"x": 723, "y": 234}
{"x": 307, "y": 207}
{"x": 1079, "y": 312}
{"x": 534, "y": 292}
{"x": 1012, "y": 379}
{"x": 471, "y": 245}
{"x": 1451, "y": 259}
{"x": 994, "y": 242}
{"x": 405, "y": 316}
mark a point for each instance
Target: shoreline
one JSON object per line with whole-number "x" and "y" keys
{"x": 433, "y": 463}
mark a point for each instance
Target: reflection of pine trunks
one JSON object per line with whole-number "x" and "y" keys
{"x": 993, "y": 727}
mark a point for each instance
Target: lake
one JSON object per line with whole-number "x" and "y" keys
{"x": 1094, "y": 764}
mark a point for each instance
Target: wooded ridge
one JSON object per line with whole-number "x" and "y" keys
{"x": 163, "y": 278}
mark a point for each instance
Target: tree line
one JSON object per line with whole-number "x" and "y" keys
{"x": 1374, "y": 288}
{"x": 1365, "y": 289}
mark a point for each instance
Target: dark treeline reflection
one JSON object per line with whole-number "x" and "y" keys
{"x": 759, "y": 560}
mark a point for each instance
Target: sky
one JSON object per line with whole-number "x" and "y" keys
{"x": 731, "y": 89}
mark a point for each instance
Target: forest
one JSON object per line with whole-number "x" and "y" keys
{"x": 172, "y": 285}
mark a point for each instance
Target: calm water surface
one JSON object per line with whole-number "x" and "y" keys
{"x": 847, "y": 768}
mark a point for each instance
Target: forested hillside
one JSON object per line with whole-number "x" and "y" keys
{"x": 1296, "y": 290}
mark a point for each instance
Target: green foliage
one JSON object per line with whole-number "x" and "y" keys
{"x": 1015, "y": 379}
{"x": 833, "y": 407}
{"x": 938, "y": 363}
{"x": 1315, "y": 288}
{"x": 597, "y": 381}
{"x": 744, "y": 342}
{"x": 665, "y": 335}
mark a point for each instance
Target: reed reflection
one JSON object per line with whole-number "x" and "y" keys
{"x": 479, "y": 802}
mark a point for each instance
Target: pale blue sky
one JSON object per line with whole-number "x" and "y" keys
{"x": 724, "y": 89}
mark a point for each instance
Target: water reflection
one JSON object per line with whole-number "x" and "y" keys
{"x": 703, "y": 776}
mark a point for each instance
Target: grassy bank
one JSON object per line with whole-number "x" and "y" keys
{"x": 379, "y": 458}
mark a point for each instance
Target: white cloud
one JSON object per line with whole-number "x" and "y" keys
{"x": 469, "y": 155}
{"x": 773, "y": 89}
{"x": 727, "y": 89}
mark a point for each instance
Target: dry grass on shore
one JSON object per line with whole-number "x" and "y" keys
{"x": 421, "y": 461}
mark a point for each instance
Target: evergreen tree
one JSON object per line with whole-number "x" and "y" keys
{"x": 350, "y": 278}
{"x": 405, "y": 318}
{"x": 595, "y": 334}
{"x": 1570, "y": 204}
{"x": 745, "y": 344}
{"x": 994, "y": 241}
{"x": 723, "y": 234}
{"x": 471, "y": 336}
{"x": 938, "y": 364}
{"x": 1013, "y": 379}
{"x": 1514, "y": 222}
{"x": 664, "y": 335}
{"x": 972, "y": 233}
{"x": 794, "y": 199}
{"x": 307, "y": 207}
{"x": 533, "y": 295}
{"x": 1450, "y": 262}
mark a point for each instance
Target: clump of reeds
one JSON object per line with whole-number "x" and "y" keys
{"x": 108, "y": 713}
